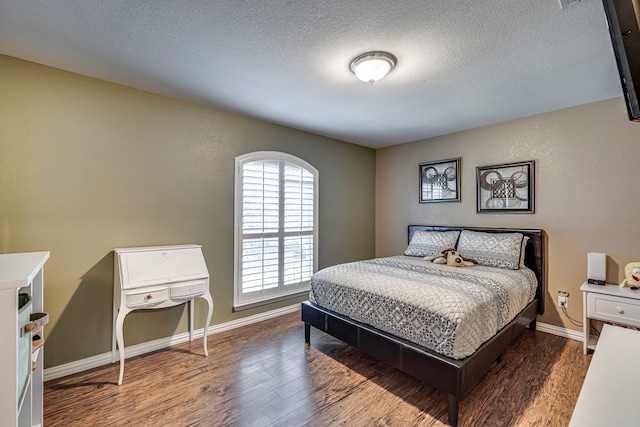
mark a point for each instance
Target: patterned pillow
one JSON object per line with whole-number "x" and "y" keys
{"x": 429, "y": 243}
{"x": 493, "y": 249}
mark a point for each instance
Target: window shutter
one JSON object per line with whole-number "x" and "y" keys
{"x": 261, "y": 197}
{"x": 260, "y": 215}
{"x": 298, "y": 217}
{"x": 298, "y": 259}
{"x": 259, "y": 264}
{"x": 276, "y": 226}
{"x": 298, "y": 196}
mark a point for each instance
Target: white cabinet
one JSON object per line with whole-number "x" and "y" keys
{"x": 20, "y": 366}
{"x": 609, "y": 303}
{"x": 157, "y": 277}
{"x": 610, "y": 381}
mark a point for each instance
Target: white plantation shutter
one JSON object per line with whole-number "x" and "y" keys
{"x": 259, "y": 264}
{"x": 260, "y": 216}
{"x": 261, "y": 197}
{"x": 276, "y": 233}
{"x": 299, "y": 198}
{"x": 298, "y": 259}
{"x": 298, "y": 219}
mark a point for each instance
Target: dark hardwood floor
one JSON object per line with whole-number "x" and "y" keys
{"x": 265, "y": 375}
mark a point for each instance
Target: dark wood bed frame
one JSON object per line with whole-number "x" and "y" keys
{"x": 456, "y": 377}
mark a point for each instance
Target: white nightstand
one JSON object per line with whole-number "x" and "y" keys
{"x": 608, "y": 303}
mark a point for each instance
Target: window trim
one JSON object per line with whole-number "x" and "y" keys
{"x": 240, "y": 301}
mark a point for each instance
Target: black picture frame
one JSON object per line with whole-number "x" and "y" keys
{"x": 440, "y": 181}
{"x": 506, "y": 188}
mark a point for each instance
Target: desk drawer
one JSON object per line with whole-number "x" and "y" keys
{"x": 147, "y": 298}
{"x": 188, "y": 290}
{"x": 621, "y": 310}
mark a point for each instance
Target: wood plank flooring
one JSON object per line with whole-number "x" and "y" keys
{"x": 265, "y": 375}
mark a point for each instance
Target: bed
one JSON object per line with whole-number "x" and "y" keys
{"x": 452, "y": 367}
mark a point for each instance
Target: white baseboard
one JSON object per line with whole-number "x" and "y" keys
{"x": 147, "y": 347}
{"x": 557, "y": 330}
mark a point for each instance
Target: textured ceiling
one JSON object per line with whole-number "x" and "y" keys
{"x": 461, "y": 64}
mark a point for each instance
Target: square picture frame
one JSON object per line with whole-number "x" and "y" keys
{"x": 506, "y": 188}
{"x": 440, "y": 181}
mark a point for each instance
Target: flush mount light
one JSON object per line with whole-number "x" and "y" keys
{"x": 372, "y": 66}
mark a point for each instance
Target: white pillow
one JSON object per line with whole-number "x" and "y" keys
{"x": 493, "y": 249}
{"x": 430, "y": 243}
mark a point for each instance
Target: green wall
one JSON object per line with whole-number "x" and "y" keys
{"x": 87, "y": 166}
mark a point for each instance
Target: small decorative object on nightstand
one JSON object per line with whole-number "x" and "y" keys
{"x": 632, "y": 276}
{"x": 608, "y": 303}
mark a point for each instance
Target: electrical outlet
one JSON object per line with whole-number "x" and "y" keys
{"x": 563, "y": 301}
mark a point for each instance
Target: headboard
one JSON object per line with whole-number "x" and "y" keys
{"x": 534, "y": 252}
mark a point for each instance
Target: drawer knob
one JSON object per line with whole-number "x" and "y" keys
{"x": 620, "y": 310}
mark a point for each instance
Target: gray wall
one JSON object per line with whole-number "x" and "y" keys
{"x": 87, "y": 166}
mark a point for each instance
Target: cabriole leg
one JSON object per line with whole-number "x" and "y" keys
{"x": 207, "y": 297}
{"x": 122, "y": 313}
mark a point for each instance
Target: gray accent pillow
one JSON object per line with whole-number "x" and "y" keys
{"x": 493, "y": 249}
{"x": 429, "y": 243}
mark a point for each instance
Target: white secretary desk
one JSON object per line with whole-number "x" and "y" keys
{"x": 157, "y": 277}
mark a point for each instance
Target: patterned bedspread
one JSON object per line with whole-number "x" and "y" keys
{"x": 447, "y": 309}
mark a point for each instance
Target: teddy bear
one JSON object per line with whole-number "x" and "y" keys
{"x": 452, "y": 258}
{"x": 632, "y": 273}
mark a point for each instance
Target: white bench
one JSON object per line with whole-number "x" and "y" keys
{"x": 609, "y": 393}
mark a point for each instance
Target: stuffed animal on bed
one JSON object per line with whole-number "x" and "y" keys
{"x": 632, "y": 271}
{"x": 452, "y": 258}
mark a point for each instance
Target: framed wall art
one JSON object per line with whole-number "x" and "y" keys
{"x": 440, "y": 181}
{"x": 507, "y": 188}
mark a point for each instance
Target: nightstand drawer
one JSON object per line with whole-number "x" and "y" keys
{"x": 622, "y": 310}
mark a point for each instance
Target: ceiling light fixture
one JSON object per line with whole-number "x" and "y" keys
{"x": 372, "y": 66}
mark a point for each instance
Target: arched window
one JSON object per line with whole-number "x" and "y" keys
{"x": 276, "y": 232}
